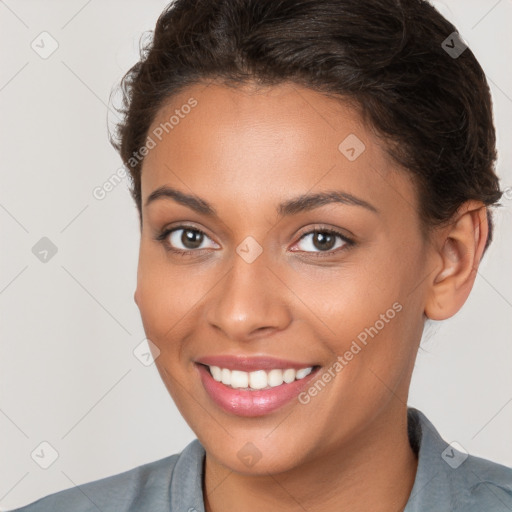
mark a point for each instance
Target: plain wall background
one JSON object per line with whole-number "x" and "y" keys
{"x": 69, "y": 326}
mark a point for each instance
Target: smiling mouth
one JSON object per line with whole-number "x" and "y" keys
{"x": 263, "y": 389}
{"x": 259, "y": 379}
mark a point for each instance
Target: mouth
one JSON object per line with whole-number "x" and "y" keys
{"x": 257, "y": 392}
{"x": 258, "y": 379}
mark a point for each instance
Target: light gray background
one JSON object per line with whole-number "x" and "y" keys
{"x": 69, "y": 326}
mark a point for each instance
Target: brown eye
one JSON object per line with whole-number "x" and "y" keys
{"x": 323, "y": 241}
{"x": 191, "y": 238}
{"x": 183, "y": 239}
{"x": 186, "y": 238}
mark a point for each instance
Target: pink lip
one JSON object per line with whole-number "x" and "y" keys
{"x": 252, "y": 403}
{"x": 250, "y": 364}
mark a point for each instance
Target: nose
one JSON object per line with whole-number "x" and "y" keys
{"x": 250, "y": 300}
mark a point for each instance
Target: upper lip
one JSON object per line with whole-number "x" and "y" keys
{"x": 246, "y": 363}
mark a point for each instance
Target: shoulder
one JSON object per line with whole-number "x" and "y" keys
{"x": 486, "y": 484}
{"x": 450, "y": 479}
{"x": 146, "y": 487}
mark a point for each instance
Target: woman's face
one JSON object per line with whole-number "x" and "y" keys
{"x": 261, "y": 285}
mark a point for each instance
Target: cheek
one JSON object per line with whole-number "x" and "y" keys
{"x": 168, "y": 297}
{"x": 156, "y": 297}
{"x": 368, "y": 310}
{"x": 352, "y": 296}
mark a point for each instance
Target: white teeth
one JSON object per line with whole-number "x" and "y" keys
{"x": 216, "y": 373}
{"x": 289, "y": 375}
{"x": 226, "y": 377}
{"x": 239, "y": 379}
{"x": 259, "y": 379}
{"x": 303, "y": 372}
{"x": 275, "y": 378}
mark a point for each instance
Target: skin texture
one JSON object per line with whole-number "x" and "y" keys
{"x": 246, "y": 150}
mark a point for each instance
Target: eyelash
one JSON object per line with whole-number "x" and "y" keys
{"x": 162, "y": 237}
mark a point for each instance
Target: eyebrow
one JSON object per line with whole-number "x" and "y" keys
{"x": 302, "y": 203}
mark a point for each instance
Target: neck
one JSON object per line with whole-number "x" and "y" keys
{"x": 375, "y": 472}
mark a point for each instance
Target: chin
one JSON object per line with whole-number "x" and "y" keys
{"x": 249, "y": 456}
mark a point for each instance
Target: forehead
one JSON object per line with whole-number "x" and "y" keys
{"x": 264, "y": 143}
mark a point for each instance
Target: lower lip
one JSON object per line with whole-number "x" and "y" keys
{"x": 251, "y": 403}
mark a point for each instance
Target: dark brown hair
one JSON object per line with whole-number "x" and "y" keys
{"x": 389, "y": 57}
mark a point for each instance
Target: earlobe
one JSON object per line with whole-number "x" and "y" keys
{"x": 462, "y": 245}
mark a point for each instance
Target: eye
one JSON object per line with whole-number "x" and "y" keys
{"x": 190, "y": 238}
{"x": 324, "y": 240}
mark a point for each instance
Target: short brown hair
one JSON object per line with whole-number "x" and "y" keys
{"x": 433, "y": 108}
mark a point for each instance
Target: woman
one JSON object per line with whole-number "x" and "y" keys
{"x": 314, "y": 181}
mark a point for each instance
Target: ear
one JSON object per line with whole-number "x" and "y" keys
{"x": 460, "y": 247}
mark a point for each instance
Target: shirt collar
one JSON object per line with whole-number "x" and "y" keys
{"x": 434, "y": 458}
{"x": 439, "y": 483}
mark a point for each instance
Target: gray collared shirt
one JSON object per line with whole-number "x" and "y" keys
{"x": 446, "y": 480}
